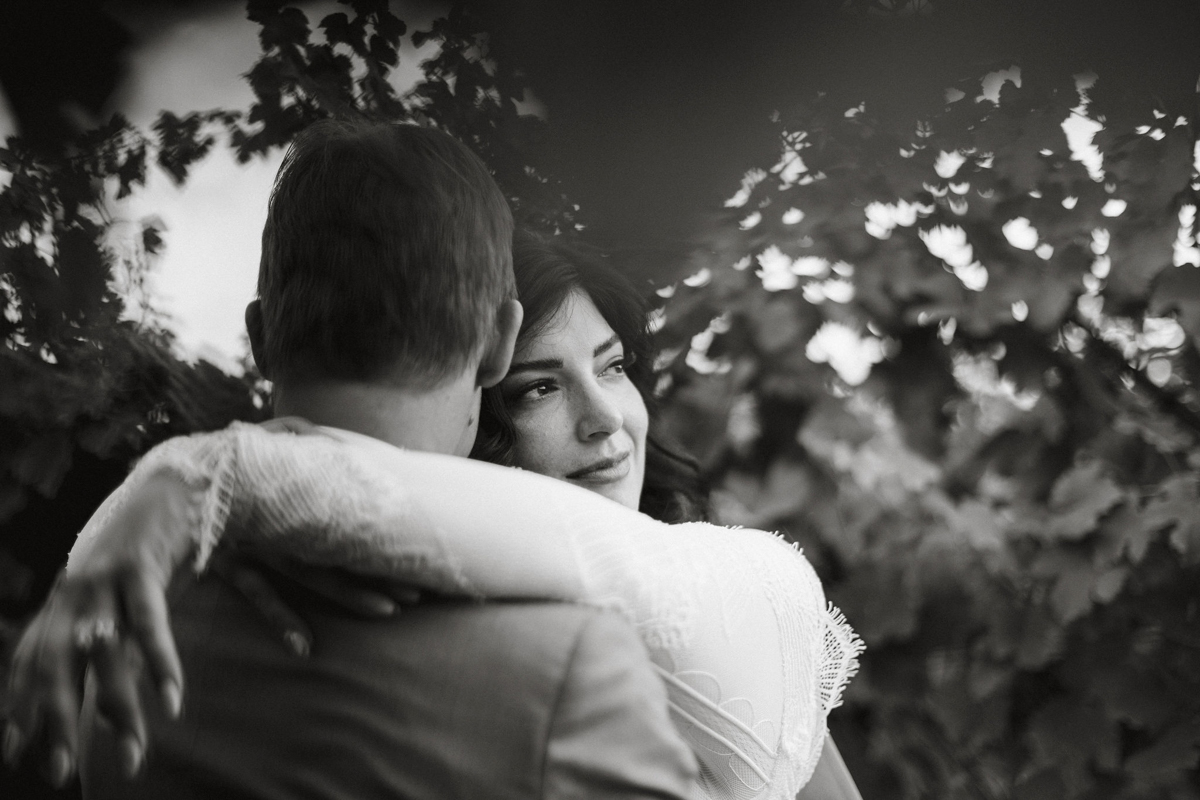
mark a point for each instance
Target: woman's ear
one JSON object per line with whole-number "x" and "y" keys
{"x": 254, "y": 328}
{"x": 499, "y": 353}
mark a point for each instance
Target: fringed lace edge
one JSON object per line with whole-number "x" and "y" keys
{"x": 841, "y": 663}
{"x": 206, "y": 464}
{"x": 215, "y": 507}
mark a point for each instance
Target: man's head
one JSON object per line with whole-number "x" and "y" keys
{"x": 386, "y": 255}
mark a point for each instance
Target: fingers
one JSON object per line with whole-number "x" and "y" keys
{"x": 296, "y": 425}
{"x": 404, "y": 594}
{"x": 116, "y": 671}
{"x": 23, "y": 712}
{"x": 80, "y": 621}
{"x": 297, "y": 636}
{"x": 122, "y": 588}
{"x": 349, "y": 592}
{"x": 13, "y": 745}
{"x": 276, "y": 425}
{"x": 70, "y": 639}
{"x": 60, "y": 720}
{"x": 145, "y": 602}
{"x": 42, "y": 692}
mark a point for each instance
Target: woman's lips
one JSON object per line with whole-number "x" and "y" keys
{"x": 606, "y": 470}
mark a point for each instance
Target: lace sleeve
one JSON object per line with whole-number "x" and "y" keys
{"x": 738, "y": 628}
{"x": 204, "y": 463}
{"x": 735, "y": 620}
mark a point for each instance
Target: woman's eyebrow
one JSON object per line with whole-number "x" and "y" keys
{"x": 615, "y": 339}
{"x": 557, "y": 363}
{"x": 541, "y": 363}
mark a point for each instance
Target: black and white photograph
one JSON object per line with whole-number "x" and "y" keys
{"x": 439, "y": 399}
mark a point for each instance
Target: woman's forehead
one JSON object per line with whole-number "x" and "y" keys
{"x": 576, "y": 321}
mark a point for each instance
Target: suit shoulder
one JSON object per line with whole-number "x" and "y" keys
{"x": 554, "y": 636}
{"x": 549, "y": 620}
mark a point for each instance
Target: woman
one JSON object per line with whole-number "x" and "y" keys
{"x": 735, "y": 621}
{"x": 513, "y": 431}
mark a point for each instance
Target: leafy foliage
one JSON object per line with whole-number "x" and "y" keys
{"x": 1005, "y": 503}
{"x": 87, "y": 377}
{"x": 80, "y": 370}
{"x": 478, "y": 100}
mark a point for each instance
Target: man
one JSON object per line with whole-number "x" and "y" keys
{"x": 385, "y": 305}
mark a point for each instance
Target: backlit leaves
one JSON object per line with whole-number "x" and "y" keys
{"x": 1080, "y": 497}
{"x": 1017, "y": 495}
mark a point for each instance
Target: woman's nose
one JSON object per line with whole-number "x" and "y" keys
{"x": 599, "y": 414}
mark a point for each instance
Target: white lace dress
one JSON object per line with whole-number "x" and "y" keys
{"x": 735, "y": 620}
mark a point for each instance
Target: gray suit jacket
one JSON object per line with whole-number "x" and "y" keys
{"x": 447, "y": 700}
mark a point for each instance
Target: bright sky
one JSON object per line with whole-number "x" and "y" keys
{"x": 213, "y": 222}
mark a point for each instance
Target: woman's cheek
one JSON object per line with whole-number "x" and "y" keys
{"x": 637, "y": 418}
{"x": 538, "y": 440}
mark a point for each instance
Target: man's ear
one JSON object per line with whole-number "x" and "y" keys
{"x": 254, "y": 328}
{"x": 499, "y": 354}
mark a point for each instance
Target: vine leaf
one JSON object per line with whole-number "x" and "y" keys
{"x": 1123, "y": 532}
{"x": 1071, "y": 596}
{"x": 1071, "y": 732}
{"x": 1176, "y": 750}
{"x": 1139, "y": 253}
{"x": 1178, "y": 290}
{"x": 1080, "y": 497}
{"x": 883, "y": 603}
{"x": 1132, "y": 697}
{"x": 1174, "y": 509}
{"x": 1041, "y": 641}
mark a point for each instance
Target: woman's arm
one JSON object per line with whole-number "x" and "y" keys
{"x": 172, "y": 507}
{"x": 116, "y": 593}
{"x": 735, "y": 620}
{"x": 831, "y": 780}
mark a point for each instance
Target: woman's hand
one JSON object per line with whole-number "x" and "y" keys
{"x": 248, "y": 571}
{"x": 371, "y": 598}
{"x": 111, "y": 613}
{"x": 297, "y": 425}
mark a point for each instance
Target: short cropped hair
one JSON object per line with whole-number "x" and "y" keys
{"x": 387, "y": 247}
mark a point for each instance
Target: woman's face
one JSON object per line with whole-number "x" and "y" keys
{"x": 577, "y": 415}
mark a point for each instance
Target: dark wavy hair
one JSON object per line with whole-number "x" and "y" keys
{"x": 547, "y": 271}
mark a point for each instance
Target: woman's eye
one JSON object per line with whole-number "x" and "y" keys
{"x": 533, "y": 391}
{"x": 617, "y": 366}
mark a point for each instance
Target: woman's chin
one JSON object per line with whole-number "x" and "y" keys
{"x": 626, "y": 492}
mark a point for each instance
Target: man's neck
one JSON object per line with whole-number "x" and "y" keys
{"x": 436, "y": 420}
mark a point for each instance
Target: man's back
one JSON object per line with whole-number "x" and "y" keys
{"x": 449, "y": 699}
